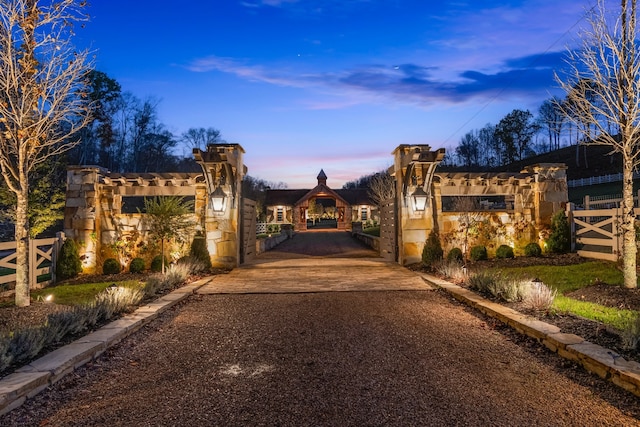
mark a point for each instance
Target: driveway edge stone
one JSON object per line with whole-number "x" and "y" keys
{"x": 41, "y": 373}
{"x": 594, "y": 358}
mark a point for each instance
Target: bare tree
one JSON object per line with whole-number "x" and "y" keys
{"x": 382, "y": 187}
{"x": 42, "y": 83}
{"x": 609, "y": 62}
{"x": 201, "y": 137}
{"x": 469, "y": 216}
{"x": 552, "y": 120}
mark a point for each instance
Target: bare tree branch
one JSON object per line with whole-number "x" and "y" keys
{"x": 42, "y": 100}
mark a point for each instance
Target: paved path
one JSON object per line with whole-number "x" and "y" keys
{"x": 393, "y": 358}
{"x": 328, "y": 261}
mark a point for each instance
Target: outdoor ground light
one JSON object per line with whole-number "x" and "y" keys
{"x": 419, "y": 199}
{"x": 217, "y": 199}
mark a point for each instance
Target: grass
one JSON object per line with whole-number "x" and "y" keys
{"x": 372, "y": 231}
{"x": 608, "y": 315}
{"x": 80, "y": 293}
{"x": 568, "y": 278}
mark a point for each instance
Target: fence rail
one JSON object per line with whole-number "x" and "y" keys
{"x": 42, "y": 260}
{"x": 603, "y": 179}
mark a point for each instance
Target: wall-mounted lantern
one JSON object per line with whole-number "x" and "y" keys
{"x": 218, "y": 198}
{"x": 419, "y": 197}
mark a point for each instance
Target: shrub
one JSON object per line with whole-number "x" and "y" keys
{"x": 455, "y": 254}
{"x": 5, "y": 356}
{"x": 175, "y": 275}
{"x": 432, "y": 250}
{"x": 631, "y": 333}
{"x": 478, "y": 253}
{"x": 539, "y": 296}
{"x": 451, "y": 269}
{"x": 199, "y": 251}
{"x": 111, "y": 266}
{"x": 137, "y": 265}
{"x": 498, "y": 287}
{"x": 156, "y": 263}
{"x": 482, "y": 281}
{"x": 117, "y": 299}
{"x": 26, "y": 343}
{"x": 504, "y": 251}
{"x": 69, "y": 264}
{"x": 62, "y": 323}
{"x": 559, "y": 240}
{"x": 532, "y": 250}
{"x": 511, "y": 290}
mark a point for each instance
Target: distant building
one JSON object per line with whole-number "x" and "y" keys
{"x": 320, "y": 206}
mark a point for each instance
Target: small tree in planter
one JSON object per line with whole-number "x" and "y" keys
{"x": 168, "y": 218}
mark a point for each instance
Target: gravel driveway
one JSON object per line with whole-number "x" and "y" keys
{"x": 392, "y": 358}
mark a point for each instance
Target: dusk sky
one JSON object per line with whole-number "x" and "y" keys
{"x": 334, "y": 84}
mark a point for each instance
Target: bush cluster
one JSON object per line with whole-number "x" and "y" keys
{"x": 504, "y": 251}
{"x": 136, "y": 266}
{"x": 478, "y": 253}
{"x": 534, "y": 295}
{"x": 532, "y": 250}
{"x": 111, "y": 266}
{"x": 25, "y": 343}
{"x": 455, "y": 254}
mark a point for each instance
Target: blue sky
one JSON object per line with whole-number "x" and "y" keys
{"x": 333, "y": 84}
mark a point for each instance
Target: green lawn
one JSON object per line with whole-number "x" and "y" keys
{"x": 78, "y": 294}
{"x": 568, "y": 278}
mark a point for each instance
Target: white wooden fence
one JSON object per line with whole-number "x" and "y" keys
{"x": 595, "y": 232}
{"x": 603, "y": 179}
{"x": 42, "y": 260}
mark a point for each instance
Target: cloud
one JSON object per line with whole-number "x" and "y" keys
{"x": 411, "y": 83}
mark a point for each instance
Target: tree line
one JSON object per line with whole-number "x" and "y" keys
{"x": 521, "y": 134}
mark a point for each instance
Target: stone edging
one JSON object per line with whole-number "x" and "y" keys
{"x": 41, "y": 373}
{"x": 594, "y": 358}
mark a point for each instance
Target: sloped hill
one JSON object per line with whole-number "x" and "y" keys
{"x": 582, "y": 162}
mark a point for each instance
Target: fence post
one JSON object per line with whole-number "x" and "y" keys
{"x": 60, "y": 237}
{"x": 569, "y": 212}
{"x": 586, "y": 202}
{"x": 33, "y": 277}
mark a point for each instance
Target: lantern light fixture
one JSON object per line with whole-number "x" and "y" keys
{"x": 419, "y": 199}
{"x": 218, "y": 200}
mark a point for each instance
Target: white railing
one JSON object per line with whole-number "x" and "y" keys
{"x": 606, "y": 201}
{"x": 42, "y": 259}
{"x": 594, "y": 180}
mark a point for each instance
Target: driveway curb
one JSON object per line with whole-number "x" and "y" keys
{"x": 594, "y": 358}
{"x": 41, "y": 373}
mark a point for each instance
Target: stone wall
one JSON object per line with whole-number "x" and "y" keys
{"x": 96, "y": 220}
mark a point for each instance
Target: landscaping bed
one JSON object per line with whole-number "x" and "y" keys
{"x": 597, "y": 292}
{"x": 37, "y": 314}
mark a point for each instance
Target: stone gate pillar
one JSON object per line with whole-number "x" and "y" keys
{"x": 224, "y": 170}
{"x": 413, "y": 167}
{"x": 82, "y": 212}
